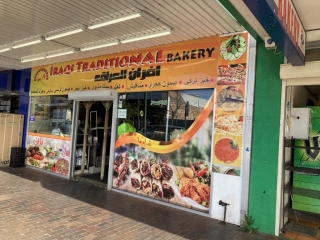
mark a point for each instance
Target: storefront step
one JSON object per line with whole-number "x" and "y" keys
{"x": 93, "y": 179}
{"x": 304, "y": 216}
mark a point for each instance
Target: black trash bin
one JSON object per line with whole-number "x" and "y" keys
{"x": 17, "y": 157}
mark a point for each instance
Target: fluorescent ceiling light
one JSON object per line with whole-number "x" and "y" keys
{"x": 99, "y": 44}
{"x": 60, "y": 52}
{"x": 151, "y": 34}
{"x": 5, "y": 48}
{"x": 65, "y": 32}
{"x": 33, "y": 57}
{"x": 111, "y": 20}
{"x": 27, "y": 42}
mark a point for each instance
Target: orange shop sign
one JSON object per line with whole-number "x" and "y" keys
{"x": 186, "y": 65}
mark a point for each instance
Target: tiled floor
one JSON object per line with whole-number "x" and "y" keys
{"x": 295, "y": 236}
{"x": 37, "y": 205}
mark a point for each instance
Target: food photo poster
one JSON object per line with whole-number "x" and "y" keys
{"x": 229, "y": 108}
{"x": 49, "y": 153}
{"x": 180, "y": 177}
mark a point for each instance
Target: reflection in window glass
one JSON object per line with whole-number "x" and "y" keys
{"x": 51, "y": 115}
{"x": 147, "y": 112}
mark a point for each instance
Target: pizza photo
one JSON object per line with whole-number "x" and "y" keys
{"x": 228, "y": 124}
{"x": 228, "y": 81}
{"x": 231, "y": 74}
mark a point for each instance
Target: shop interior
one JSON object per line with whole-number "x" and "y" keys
{"x": 9, "y": 101}
{"x": 301, "y": 163}
{"x": 51, "y": 115}
{"x": 99, "y": 114}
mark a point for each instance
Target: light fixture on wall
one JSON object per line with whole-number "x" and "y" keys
{"x": 27, "y": 42}
{"x": 113, "y": 20}
{"x": 99, "y": 44}
{"x": 146, "y": 35}
{"x": 65, "y": 32}
{"x": 60, "y": 52}
{"x": 33, "y": 57}
{"x": 5, "y": 48}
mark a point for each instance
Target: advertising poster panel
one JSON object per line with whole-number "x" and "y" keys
{"x": 176, "y": 171}
{"x": 229, "y": 112}
{"x": 48, "y": 152}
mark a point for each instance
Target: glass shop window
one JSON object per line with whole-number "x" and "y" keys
{"x": 161, "y": 116}
{"x": 51, "y": 115}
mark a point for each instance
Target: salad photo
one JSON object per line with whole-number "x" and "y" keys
{"x": 233, "y": 48}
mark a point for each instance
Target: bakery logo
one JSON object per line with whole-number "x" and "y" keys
{"x": 41, "y": 74}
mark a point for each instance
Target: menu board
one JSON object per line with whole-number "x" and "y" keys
{"x": 230, "y": 95}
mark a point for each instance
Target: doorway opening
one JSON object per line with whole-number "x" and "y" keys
{"x": 95, "y": 140}
{"x": 92, "y": 140}
{"x": 301, "y": 161}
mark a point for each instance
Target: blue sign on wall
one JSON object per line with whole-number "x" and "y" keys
{"x": 281, "y": 21}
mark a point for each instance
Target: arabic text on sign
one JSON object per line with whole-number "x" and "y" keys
{"x": 133, "y": 75}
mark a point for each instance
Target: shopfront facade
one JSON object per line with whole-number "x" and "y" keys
{"x": 183, "y": 121}
{"x": 284, "y": 165}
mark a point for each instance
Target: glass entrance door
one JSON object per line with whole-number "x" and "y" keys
{"x": 92, "y": 140}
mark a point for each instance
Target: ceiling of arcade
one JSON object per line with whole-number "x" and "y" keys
{"x": 25, "y": 19}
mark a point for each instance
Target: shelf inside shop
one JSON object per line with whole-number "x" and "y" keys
{"x": 287, "y": 165}
{"x": 286, "y": 207}
{"x": 289, "y": 143}
{"x": 287, "y": 188}
{"x": 303, "y": 147}
{"x": 302, "y": 192}
{"x": 304, "y": 170}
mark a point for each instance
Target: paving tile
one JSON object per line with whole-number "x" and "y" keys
{"x": 36, "y": 205}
